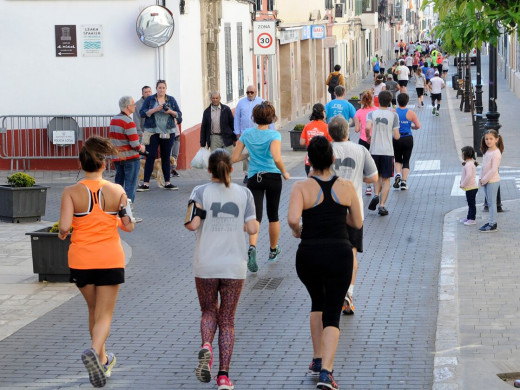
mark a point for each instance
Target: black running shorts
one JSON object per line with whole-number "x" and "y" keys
{"x": 97, "y": 277}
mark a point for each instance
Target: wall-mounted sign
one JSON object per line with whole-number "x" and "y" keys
{"x": 289, "y": 36}
{"x": 329, "y": 42}
{"x": 318, "y": 32}
{"x": 64, "y": 137}
{"x": 306, "y": 32}
{"x": 66, "y": 42}
{"x": 263, "y": 38}
{"x": 92, "y": 40}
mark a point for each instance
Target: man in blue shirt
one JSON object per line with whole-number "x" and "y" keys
{"x": 244, "y": 118}
{"x": 339, "y": 106}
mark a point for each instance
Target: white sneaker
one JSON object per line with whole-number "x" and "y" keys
{"x": 470, "y": 222}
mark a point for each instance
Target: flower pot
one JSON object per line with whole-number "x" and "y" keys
{"x": 356, "y": 103}
{"x": 295, "y": 140}
{"x": 50, "y": 256}
{"x": 22, "y": 204}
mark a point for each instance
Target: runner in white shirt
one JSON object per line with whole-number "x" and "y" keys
{"x": 402, "y": 76}
{"x": 445, "y": 67}
{"x": 435, "y": 85}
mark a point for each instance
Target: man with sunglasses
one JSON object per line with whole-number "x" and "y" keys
{"x": 244, "y": 118}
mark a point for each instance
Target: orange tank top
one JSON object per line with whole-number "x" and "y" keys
{"x": 95, "y": 241}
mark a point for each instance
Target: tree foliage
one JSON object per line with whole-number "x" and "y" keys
{"x": 466, "y": 24}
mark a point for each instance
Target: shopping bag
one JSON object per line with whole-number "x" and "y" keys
{"x": 200, "y": 161}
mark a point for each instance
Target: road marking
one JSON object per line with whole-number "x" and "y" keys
{"x": 427, "y": 165}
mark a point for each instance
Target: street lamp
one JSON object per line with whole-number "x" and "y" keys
{"x": 478, "y": 86}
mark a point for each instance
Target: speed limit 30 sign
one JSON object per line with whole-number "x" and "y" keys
{"x": 264, "y": 38}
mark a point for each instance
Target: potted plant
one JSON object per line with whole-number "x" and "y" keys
{"x": 50, "y": 254}
{"x": 354, "y": 100}
{"x": 21, "y": 200}
{"x": 295, "y": 135}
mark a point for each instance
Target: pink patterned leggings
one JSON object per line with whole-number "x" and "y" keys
{"x": 222, "y": 316}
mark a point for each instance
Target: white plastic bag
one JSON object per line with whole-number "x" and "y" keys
{"x": 200, "y": 161}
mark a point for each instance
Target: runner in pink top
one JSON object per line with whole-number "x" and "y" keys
{"x": 360, "y": 120}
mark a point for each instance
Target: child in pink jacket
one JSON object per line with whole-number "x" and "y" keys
{"x": 469, "y": 184}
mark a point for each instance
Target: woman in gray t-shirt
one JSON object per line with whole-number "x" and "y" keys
{"x": 219, "y": 211}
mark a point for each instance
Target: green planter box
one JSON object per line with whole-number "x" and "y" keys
{"x": 22, "y": 204}
{"x": 50, "y": 256}
{"x": 295, "y": 140}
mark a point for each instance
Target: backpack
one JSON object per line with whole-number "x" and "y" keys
{"x": 376, "y": 67}
{"x": 333, "y": 82}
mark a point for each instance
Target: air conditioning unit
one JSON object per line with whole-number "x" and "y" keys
{"x": 339, "y": 10}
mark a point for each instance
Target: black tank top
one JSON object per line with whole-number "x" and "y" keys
{"x": 326, "y": 220}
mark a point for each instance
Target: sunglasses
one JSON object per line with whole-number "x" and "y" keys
{"x": 250, "y": 92}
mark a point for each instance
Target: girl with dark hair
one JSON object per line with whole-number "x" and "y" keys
{"x": 317, "y": 126}
{"x": 95, "y": 208}
{"x": 326, "y": 204}
{"x": 379, "y": 86}
{"x": 492, "y": 147}
{"x": 469, "y": 184}
{"x": 219, "y": 211}
{"x": 265, "y": 173}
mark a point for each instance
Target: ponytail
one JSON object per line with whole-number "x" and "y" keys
{"x": 219, "y": 164}
{"x": 94, "y": 151}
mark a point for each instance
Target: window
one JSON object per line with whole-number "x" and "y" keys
{"x": 270, "y": 5}
{"x": 240, "y": 60}
{"x": 328, "y": 4}
{"x": 229, "y": 73}
{"x": 258, "y": 5}
{"x": 368, "y": 6}
{"x": 359, "y": 7}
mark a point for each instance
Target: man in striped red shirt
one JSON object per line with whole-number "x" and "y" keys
{"x": 123, "y": 135}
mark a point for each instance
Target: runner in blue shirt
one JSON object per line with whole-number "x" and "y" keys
{"x": 339, "y": 106}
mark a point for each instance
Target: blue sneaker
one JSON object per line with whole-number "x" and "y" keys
{"x": 487, "y": 228}
{"x": 251, "y": 259}
{"x": 96, "y": 373}
{"x": 111, "y": 362}
{"x": 326, "y": 381}
{"x": 273, "y": 254}
{"x": 315, "y": 367}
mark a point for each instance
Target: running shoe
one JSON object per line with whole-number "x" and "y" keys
{"x": 397, "y": 180}
{"x": 245, "y": 179}
{"x": 315, "y": 367}
{"x": 273, "y": 254}
{"x": 487, "y": 228}
{"x": 175, "y": 173}
{"x": 470, "y": 222}
{"x": 326, "y": 381}
{"x": 463, "y": 220}
{"x": 171, "y": 187}
{"x": 437, "y": 113}
{"x": 203, "y": 370}
{"x": 348, "y": 306}
{"x": 224, "y": 383}
{"x": 111, "y": 362}
{"x": 142, "y": 188}
{"x": 404, "y": 187}
{"x": 368, "y": 191}
{"x": 251, "y": 259}
{"x": 422, "y": 104}
{"x": 96, "y": 373}
{"x": 433, "y": 111}
{"x": 382, "y": 211}
{"x": 373, "y": 203}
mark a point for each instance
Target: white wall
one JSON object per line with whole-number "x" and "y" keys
{"x": 35, "y": 81}
{"x": 234, "y": 12}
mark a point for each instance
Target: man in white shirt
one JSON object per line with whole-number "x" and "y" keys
{"x": 403, "y": 74}
{"x": 435, "y": 85}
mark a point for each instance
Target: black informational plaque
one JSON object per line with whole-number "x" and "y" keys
{"x": 66, "y": 41}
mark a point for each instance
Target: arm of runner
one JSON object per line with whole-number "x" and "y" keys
{"x": 295, "y": 210}
{"x": 412, "y": 117}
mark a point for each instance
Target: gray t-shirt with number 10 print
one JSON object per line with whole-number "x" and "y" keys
{"x": 383, "y": 123}
{"x": 221, "y": 250}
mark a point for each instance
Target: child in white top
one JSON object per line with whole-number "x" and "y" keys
{"x": 492, "y": 147}
{"x": 469, "y": 184}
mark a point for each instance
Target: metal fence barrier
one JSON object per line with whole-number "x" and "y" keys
{"x": 27, "y": 137}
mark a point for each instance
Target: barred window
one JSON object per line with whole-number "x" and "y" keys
{"x": 229, "y": 67}
{"x": 258, "y": 5}
{"x": 240, "y": 60}
{"x": 270, "y": 5}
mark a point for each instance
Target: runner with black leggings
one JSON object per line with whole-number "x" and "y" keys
{"x": 408, "y": 121}
{"x": 265, "y": 173}
{"x": 326, "y": 204}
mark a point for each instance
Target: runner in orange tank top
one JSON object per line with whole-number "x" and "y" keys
{"x": 95, "y": 208}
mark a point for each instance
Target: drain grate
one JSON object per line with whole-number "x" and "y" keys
{"x": 267, "y": 284}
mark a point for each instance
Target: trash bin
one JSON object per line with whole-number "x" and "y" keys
{"x": 455, "y": 82}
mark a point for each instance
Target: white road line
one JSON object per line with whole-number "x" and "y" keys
{"x": 427, "y": 165}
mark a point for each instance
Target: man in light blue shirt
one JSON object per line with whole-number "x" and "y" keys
{"x": 340, "y": 106}
{"x": 244, "y": 118}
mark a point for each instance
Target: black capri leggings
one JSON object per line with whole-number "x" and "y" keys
{"x": 403, "y": 151}
{"x": 271, "y": 185}
{"x": 325, "y": 268}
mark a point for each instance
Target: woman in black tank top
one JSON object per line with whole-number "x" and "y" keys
{"x": 325, "y": 204}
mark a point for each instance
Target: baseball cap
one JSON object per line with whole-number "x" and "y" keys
{"x": 436, "y": 72}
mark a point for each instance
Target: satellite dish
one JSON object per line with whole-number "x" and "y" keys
{"x": 155, "y": 26}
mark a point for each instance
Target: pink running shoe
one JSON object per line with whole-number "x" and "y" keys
{"x": 224, "y": 383}
{"x": 203, "y": 370}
